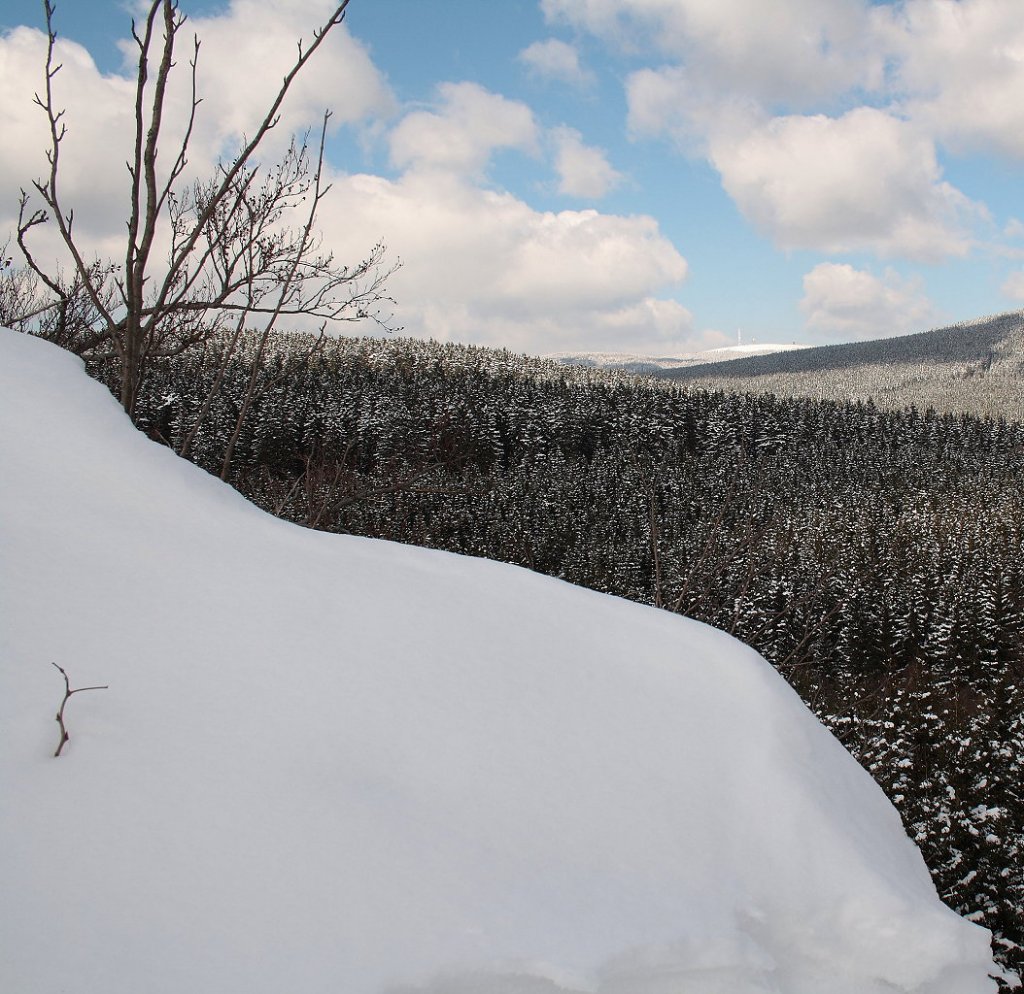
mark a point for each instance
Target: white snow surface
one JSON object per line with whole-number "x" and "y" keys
{"x": 630, "y": 361}
{"x": 755, "y": 348}
{"x": 329, "y": 764}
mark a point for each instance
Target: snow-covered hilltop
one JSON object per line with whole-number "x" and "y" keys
{"x": 326, "y": 764}
{"x": 633, "y": 363}
{"x": 968, "y": 368}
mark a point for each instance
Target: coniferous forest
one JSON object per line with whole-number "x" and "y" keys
{"x": 875, "y": 558}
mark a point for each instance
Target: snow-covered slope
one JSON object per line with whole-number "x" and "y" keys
{"x": 326, "y": 764}
{"x": 633, "y": 363}
{"x": 752, "y": 348}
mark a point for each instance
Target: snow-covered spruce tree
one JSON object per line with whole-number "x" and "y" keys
{"x": 241, "y": 248}
{"x": 950, "y": 756}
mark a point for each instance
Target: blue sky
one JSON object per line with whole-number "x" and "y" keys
{"x": 618, "y": 175}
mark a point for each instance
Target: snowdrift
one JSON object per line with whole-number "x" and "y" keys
{"x": 326, "y": 764}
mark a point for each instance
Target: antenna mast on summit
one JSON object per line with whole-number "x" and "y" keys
{"x": 739, "y": 337}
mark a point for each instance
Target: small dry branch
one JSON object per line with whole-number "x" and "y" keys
{"x": 68, "y": 692}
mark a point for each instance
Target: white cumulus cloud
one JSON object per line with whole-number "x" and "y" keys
{"x": 583, "y": 171}
{"x": 959, "y": 70}
{"x": 677, "y": 102}
{"x": 863, "y": 181}
{"x": 462, "y": 134}
{"x": 249, "y": 46}
{"x": 93, "y": 179}
{"x": 1013, "y": 287}
{"x": 825, "y": 118}
{"x": 483, "y": 266}
{"x": 848, "y": 303}
{"x": 796, "y": 51}
{"x": 555, "y": 59}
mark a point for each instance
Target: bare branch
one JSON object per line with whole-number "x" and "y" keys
{"x": 48, "y": 188}
{"x": 68, "y": 694}
{"x": 286, "y": 285}
{"x": 231, "y": 252}
{"x": 242, "y": 159}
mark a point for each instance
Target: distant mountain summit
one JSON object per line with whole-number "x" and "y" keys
{"x": 975, "y": 367}
{"x": 752, "y": 349}
{"x": 984, "y": 340}
{"x": 628, "y": 362}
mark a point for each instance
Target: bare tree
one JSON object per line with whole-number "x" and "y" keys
{"x": 232, "y": 255}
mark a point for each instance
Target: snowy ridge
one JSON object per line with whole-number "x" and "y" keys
{"x": 968, "y": 368}
{"x": 630, "y": 362}
{"x": 333, "y": 764}
{"x": 753, "y": 348}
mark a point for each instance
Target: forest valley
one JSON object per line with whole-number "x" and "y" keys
{"x": 875, "y": 558}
